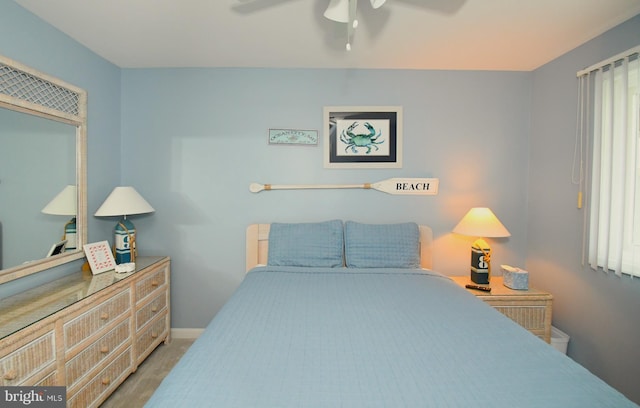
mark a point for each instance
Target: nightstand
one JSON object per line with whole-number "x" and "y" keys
{"x": 530, "y": 308}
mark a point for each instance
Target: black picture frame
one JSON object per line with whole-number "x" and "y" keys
{"x": 57, "y": 248}
{"x": 363, "y": 136}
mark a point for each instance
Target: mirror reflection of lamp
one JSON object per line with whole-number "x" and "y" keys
{"x": 124, "y": 201}
{"x": 481, "y": 222}
{"x": 66, "y": 203}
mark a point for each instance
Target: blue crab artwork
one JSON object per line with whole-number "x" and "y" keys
{"x": 356, "y": 141}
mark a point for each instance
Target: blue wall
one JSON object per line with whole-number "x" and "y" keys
{"x": 194, "y": 139}
{"x": 191, "y": 141}
{"x": 598, "y": 310}
{"x": 26, "y": 39}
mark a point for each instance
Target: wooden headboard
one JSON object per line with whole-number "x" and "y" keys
{"x": 257, "y": 247}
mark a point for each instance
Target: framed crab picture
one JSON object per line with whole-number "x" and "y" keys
{"x": 363, "y": 136}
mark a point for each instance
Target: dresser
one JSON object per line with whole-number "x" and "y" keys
{"x": 86, "y": 332}
{"x": 530, "y": 308}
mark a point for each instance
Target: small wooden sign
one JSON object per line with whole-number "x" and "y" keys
{"x": 293, "y": 136}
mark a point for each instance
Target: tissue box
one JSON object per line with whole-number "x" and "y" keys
{"x": 515, "y": 278}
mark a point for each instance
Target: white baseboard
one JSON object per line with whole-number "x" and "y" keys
{"x": 186, "y": 333}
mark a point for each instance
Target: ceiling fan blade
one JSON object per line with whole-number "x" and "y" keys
{"x": 439, "y": 6}
{"x": 251, "y": 6}
{"x": 338, "y": 11}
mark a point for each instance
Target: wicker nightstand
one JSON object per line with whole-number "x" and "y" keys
{"x": 531, "y": 308}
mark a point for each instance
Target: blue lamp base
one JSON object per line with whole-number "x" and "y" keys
{"x": 70, "y": 235}
{"x": 125, "y": 238}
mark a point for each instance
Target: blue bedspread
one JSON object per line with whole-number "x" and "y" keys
{"x": 293, "y": 337}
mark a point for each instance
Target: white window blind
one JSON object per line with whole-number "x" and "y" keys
{"x": 608, "y": 120}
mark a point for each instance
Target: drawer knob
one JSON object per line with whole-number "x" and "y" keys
{"x": 154, "y": 335}
{"x": 104, "y": 349}
{"x": 106, "y": 381}
{"x": 154, "y": 283}
{"x": 154, "y": 308}
{"x": 104, "y": 316}
{"x": 10, "y": 375}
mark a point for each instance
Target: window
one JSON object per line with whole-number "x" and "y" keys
{"x": 609, "y": 115}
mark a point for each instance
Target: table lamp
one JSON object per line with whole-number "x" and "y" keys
{"x": 66, "y": 203}
{"x": 124, "y": 201}
{"x": 481, "y": 222}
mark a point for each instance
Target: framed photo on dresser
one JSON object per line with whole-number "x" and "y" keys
{"x": 99, "y": 257}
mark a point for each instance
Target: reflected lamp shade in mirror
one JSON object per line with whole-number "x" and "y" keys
{"x": 66, "y": 203}
{"x": 124, "y": 201}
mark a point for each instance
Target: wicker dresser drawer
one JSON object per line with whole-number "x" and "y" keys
{"x": 156, "y": 307}
{"x": 150, "y": 337}
{"x": 529, "y": 308}
{"x": 49, "y": 381}
{"x": 32, "y": 358}
{"x": 155, "y": 282}
{"x": 98, "y": 351}
{"x": 96, "y": 318}
{"x": 103, "y": 383}
{"x": 532, "y": 315}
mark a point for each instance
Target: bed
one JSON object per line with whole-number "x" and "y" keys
{"x": 343, "y": 314}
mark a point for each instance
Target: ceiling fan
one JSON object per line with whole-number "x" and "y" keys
{"x": 344, "y": 11}
{"x": 341, "y": 11}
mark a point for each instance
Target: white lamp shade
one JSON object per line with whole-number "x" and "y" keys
{"x": 481, "y": 222}
{"x": 338, "y": 10}
{"x": 124, "y": 201}
{"x": 65, "y": 203}
{"x": 377, "y": 3}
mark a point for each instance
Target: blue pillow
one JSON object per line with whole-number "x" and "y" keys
{"x": 319, "y": 244}
{"x": 382, "y": 245}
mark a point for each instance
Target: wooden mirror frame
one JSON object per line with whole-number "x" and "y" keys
{"x": 27, "y": 90}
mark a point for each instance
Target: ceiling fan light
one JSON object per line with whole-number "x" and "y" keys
{"x": 377, "y": 3}
{"x": 338, "y": 10}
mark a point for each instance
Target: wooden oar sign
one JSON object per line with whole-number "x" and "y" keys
{"x": 401, "y": 186}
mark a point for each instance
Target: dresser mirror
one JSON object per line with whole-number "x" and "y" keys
{"x": 42, "y": 164}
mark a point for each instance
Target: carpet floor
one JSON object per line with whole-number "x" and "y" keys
{"x": 136, "y": 390}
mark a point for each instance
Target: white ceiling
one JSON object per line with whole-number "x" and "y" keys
{"x": 413, "y": 34}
